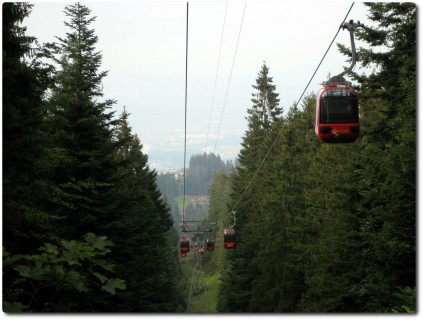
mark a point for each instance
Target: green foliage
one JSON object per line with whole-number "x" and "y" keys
{"x": 69, "y": 265}
{"x": 220, "y": 191}
{"x": 145, "y": 256}
{"x": 113, "y": 284}
{"x": 212, "y": 284}
{"x": 73, "y": 169}
{"x": 406, "y": 299}
{"x": 201, "y": 169}
{"x": 321, "y": 228}
{"x": 239, "y": 278}
{"x": 386, "y": 169}
{"x": 199, "y": 175}
{"x": 80, "y": 127}
{"x": 13, "y": 307}
{"x": 23, "y": 139}
{"x": 326, "y": 227}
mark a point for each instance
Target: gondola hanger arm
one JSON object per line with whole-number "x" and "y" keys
{"x": 339, "y": 79}
{"x": 232, "y": 226}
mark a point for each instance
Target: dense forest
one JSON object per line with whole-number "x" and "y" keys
{"x": 84, "y": 225}
{"x": 88, "y": 226}
{"x": 198, "y": 177}
{"x": 199, "y": 174}
{"x": 330, "y": 227}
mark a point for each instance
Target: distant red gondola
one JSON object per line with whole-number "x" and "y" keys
{"x": 229, "y": 238}
{"x": 201, "y": 253}
{"x": 210, "y": 244}
{"x": 184, "y": 246}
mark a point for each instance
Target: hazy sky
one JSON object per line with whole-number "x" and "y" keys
{"x": 143, "y": 47}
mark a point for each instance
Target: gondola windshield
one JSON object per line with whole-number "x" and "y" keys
{"x": 339, "y": 105}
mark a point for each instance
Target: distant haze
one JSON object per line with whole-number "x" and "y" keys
{"x": 143, "y": 47}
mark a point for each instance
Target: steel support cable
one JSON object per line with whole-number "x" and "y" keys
{"x": 280, "y": 131}
{"x": 215, "y": 79}
{"x": 186, "y": 91}
{"x": 324, "y": 56}
{"x": 230, "y": 77}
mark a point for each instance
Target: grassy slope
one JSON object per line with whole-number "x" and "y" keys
{"x": 212, "y": 282}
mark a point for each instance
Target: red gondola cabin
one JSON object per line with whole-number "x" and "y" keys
{"x": 337, "y": 114}
{"x": 210, "y": 244}
{"x": 201, "y": 253}
{"x": 229, "y": 238}
{"x": 184, "y": 245}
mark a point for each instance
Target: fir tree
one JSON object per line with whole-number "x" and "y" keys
{"x": 25, "y": 224}
{"x": 24, "y": 182}
{"x": 265, "y": 109}
{"x": 387, "y": 165}
{"x": 262, "y": 115}
{"x": 81, "y": 127}
{"x": 141, "y": 230}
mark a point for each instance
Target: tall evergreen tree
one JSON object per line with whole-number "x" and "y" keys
{"x": 34, "y": 281}
{"x": 103, "y": 182}
{"x": 25, "y": 223}
{"x": 261, "y": 116}
{"x": 81, "y": 127}
{"x": 278, "y": 284}
{"x": 330, "y": 244}
{"x": 265, "y": 109}
{"x": 80, "y": 148}
{"x": 387, "y": 164}
{"x": 145, "y": 255}
{"x": 263, "y": 113}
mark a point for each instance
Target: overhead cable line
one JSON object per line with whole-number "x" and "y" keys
{"x": 185, "y": 138}
{"x": 215, "y": 79}
{"x": 280, "y": 131}
{"x": 324, "y": 56}
{"x": 230, "y": 76}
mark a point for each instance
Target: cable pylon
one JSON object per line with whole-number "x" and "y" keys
{"x": 198, "y": 291}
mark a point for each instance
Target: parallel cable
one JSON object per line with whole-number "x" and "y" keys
{"x": 280, "y": 131}
{"x": 230, "y": 76}
{"x": 186, "y": 90}
{"x": 215, "y": 79}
